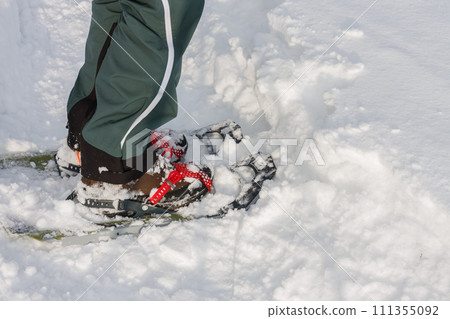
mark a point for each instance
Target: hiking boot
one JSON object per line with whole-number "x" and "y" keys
{"x": 167, "y": 185}
{"x": 167, "y": 143}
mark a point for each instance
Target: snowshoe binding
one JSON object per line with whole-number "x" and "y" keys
{"x": 165, "y": 188}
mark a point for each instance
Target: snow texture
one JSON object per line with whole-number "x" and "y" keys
{"x": 372, "y": 223}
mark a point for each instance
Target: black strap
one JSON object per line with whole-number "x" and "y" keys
{"x": 131, "y": 208}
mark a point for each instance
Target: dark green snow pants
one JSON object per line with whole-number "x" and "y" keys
{"x": 126, "y": 86}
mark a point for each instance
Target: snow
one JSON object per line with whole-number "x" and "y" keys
{"x": 372, "y": 223}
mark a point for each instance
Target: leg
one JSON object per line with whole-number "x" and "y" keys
{"x": 82, "y": 100}
{"x": 135, "y": 87}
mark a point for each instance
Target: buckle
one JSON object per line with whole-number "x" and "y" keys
{"x": 173, "y": 178}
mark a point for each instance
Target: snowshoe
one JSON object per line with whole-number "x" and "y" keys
{"x": 145, "y": 214}
{"x": 39, "y": 161}
{"x": 168, "y": 199}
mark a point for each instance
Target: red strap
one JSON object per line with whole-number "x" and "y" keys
{"x": 181, "y": 171}
{"x": 200, "y": 175}
{"x": 169, "y": 183}
{"x": 159, "y": 143}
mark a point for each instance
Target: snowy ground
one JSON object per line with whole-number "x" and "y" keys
{"x": 370, "y": 224}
